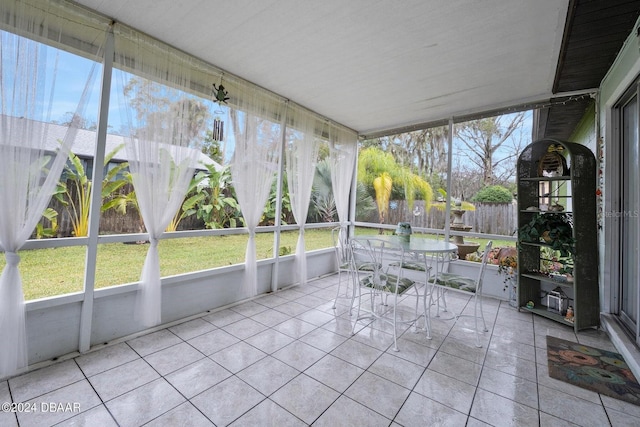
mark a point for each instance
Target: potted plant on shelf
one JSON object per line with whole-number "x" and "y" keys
{"x": 557, "y": 267}
{"x": 553, "y": 228}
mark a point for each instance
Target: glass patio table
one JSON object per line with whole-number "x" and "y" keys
{"x": 416, "y": 244}
{"x": 435, "y": 255}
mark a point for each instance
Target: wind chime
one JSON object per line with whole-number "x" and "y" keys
{"x": 220, "y": 97}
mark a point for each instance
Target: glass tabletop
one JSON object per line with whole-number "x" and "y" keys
{"x": 415, "y": 243}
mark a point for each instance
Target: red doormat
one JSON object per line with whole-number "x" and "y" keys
{"x": 602, "y": 371}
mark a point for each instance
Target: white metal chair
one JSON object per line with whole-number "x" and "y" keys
{"x": 439, "y": 263}
{"x": 342, "y": 250}
{"x": 378, "y": 274}
{"x": 418, "y": 267}
{"x": 453, "y": 282}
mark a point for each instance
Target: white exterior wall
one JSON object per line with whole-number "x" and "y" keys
{"x": 53, "y": 324}
{"x": 596, "y": 127}
{"x": 620, "y": 76}
{"x": 624, "y": 71}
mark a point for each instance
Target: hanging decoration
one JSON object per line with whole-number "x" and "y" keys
{"x": 218, "y": 127}
{"x": 220, "y": 97}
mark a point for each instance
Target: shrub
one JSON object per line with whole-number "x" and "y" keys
{"x": 493, "y": 194}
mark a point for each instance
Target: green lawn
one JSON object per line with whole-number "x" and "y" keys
{"x": 50, "y": 272}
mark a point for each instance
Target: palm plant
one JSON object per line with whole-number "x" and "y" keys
{"x": 380, "y": 172}
{"x": 189, "y": 206}
{"x": 120, "y": 202}
{"x": 217, "y": 205}
{"x": 382, "y": 186}
{"x": 286, "y": 212}
{"x": 323, "y": 205}
{"x": 51, "y": 215}
{"x": 74, "y": 190}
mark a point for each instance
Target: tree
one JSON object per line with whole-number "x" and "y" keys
{"x": 388, "y": 180}
{"x": 489, "y": 143}
{"x": 154, "y": 104}
{"x": 466, "y": 180}
{"x": 382, "y": 185}
{"x": 422, "y": 151}
{"x": 72, "y": 119}
{"x": 193, "y": 115}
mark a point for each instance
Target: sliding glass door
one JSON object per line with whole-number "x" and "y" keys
{"x": 629, "y": 229}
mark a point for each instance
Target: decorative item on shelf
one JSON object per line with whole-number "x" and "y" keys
{"x": 554, "y": 228}
{"x": 558, "y": 277}
{"x": 557, "y": 301}
{"x": 530, "y": 305}
{"x": 569, "y": 316}
{"x": 554, "y": 266}
{"x": 553, "y": 163}
{"x": 220, "y": 97}
{"x": 403, "y": 230}
{"x": 556, "y": 207}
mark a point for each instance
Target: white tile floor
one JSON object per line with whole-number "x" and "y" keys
{"x": 288, "y": 359}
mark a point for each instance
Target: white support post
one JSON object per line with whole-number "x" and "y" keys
{"x": 278, "y": 214}
{"x": 86, "y": 315}
{"x": 447, "y": 216}
{"x": 353, "y": 193}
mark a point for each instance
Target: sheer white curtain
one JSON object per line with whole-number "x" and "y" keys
{"x": 162, "y": 149}
{"x": 301, "y": 152}
{"x": 257, "y": 126}
{"x": 343, "y": 145}
{"x": 31, "y": 160}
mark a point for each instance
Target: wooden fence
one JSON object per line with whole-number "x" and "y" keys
{"x": 490, "y": 218}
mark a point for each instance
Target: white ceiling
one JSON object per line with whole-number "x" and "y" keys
{"x": 370, "y": 65}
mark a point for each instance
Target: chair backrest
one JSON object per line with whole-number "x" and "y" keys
{"x": 485, "y": 258}
{"x": 377, "y": 257}
{"x": 340, "y": 237}
{"x": 361, "y": 256}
